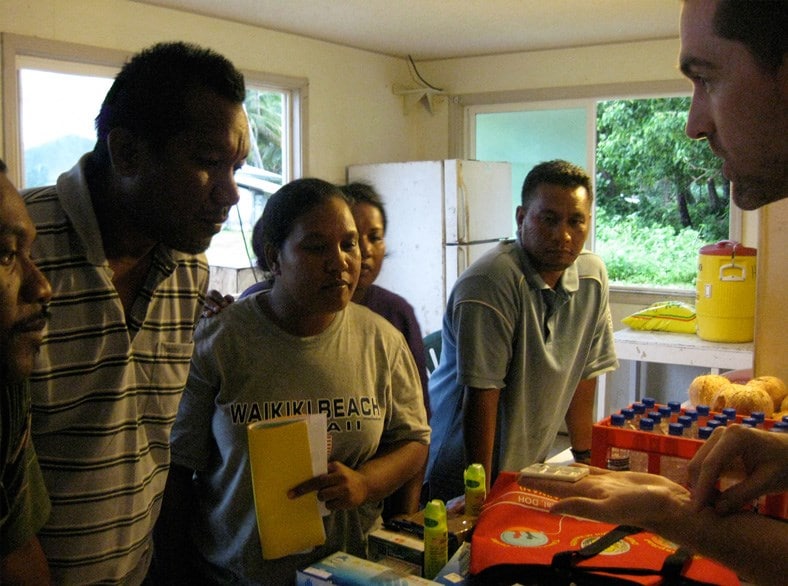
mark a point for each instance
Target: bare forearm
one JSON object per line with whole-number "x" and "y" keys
{"x": 407, "y": 498}
{"x": 393, "y": 468}
{"x": 754, "y": 546}
{"x": 480, "y": 418}
{"x": 580, "y": 415}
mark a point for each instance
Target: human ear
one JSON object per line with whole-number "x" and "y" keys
{"x": 519, "y": 216}
{"x": 272, "y": 258}
{"x": 124, "y": 151}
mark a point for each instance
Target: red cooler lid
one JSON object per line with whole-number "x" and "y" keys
{"x": 728, "y": 248}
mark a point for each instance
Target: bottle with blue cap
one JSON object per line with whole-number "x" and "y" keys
{"x": 638, "y": 461}
{"x": 617, "y": 458}
{"x": 629, "y": 418}
{"x": 675, "y": 410}
{"x": 703, "y": 414}
{"x": 673, "y": 467}
{"x": 693, "y": 415}
{"x": 730, "y": 413}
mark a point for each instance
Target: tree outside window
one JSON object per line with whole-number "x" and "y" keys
{"x": 659, "y": 195}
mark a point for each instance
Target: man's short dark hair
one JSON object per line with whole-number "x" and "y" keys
{"x": 149, "y": 95}
{"x": 762, "y": 25}
{"x": 555, "y": 172}
{"x": 3, "y": 167}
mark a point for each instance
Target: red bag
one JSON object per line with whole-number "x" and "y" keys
{"x": 516, "y": 539}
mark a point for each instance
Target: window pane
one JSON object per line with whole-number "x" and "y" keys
{"x": 660, "y": 196}
{"x": 528, "y": 137}
{"x": 57, "y": 114}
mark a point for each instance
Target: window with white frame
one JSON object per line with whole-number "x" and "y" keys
{"x": 659, "y": 195}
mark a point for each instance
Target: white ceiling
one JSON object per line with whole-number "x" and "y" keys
{"x": 440, "y": 29}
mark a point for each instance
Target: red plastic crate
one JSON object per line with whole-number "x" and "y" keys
{"x": 604, "y": 436}
{"x": 657, "y": 445}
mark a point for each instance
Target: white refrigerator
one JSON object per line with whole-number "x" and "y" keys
{"x": 441, "y": 217}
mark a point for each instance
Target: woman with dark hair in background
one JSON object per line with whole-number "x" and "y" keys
{"x": 370, "y": 217}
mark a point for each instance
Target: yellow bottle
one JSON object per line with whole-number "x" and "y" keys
{"x": 436, "y": 538}
{"x": 475, "y": 489}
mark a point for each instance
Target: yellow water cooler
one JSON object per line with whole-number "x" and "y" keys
{"x": 725, "y": 293}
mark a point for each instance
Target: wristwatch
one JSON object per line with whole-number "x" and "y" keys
{"x": 581, "y": 456}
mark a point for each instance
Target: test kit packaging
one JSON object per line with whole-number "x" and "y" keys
{"x": 398, "y": 550}
{"x": 344, "y": 569}
{"x": 457, "y": 570}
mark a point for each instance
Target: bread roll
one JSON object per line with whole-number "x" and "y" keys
{"x": 703, "y": 388}
{"x": 773, "y": 386}
{"x": 744, "y": 398}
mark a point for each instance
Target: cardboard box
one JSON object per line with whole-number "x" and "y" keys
{"x": 397, "y": 550}
{"x": 400, "y": 544}
{"x": 347, "y": 570}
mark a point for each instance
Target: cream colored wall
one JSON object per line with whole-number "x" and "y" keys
{"x": 604, "y": 64}
{"x": 353, "y": 115}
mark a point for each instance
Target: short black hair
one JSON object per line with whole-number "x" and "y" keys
{"x": 556, "y": 172}
{"x": 149, "y": 95}
{"x": 761, "y": 25}
{"x": 362, "y": 192}
{"x": 3, "y": 167}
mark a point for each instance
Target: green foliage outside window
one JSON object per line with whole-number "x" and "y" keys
{"x": 264, "y": 109}
{"x": 660, "y": 196}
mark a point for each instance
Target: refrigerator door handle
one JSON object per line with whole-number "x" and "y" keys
{"x": 463, "y": 213}
{"x": 487, "y": 241}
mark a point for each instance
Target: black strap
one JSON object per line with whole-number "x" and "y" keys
{"x": 674, "y": 565}
{"x": 564, "y": 562}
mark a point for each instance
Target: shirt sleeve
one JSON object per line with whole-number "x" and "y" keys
{"x": 484, "y": 318}
{"x": 602, "y": 354}
{"x": 407, "y": 420}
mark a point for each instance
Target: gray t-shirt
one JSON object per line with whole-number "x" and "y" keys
{"x": 359, "y": 371}
{"x": 504, "y": 328}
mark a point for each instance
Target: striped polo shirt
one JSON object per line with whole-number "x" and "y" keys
{"x": 105, "y": 392}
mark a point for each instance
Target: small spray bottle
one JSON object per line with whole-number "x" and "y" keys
{"x": 436, "y": 538}
{"x": 475, "y": 489}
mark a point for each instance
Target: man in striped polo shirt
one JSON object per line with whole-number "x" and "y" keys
{"x": 121, "y": 237}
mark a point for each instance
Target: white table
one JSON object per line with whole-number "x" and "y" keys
{"x": 669, "y": 348}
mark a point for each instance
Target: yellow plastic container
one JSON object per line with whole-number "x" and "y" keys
{"x": 725, "y": 292}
